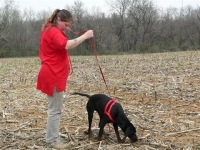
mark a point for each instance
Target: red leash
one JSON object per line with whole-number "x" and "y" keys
{"x": 95, "y": 52}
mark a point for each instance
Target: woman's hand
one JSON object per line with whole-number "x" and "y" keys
{"x": 75, "y": 42}
{"x": 88, "y": 34}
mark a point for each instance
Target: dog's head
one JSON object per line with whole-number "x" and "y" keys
{"x": 131, "y": 133}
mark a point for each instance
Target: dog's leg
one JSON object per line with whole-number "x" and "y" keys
{"x": 90, "y": 111}
{"x": 90, "y": 116}
{"x": 101, "y": 130}
{"x": 99, "y": 126}
{"x": 117, "y": 133}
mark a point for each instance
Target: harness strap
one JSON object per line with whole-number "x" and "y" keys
{"x": 108, "y": 109}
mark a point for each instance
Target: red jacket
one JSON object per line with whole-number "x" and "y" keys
{"x": 54, "y": 58}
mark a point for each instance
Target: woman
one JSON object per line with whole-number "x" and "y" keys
{"x": 55, "y": 68}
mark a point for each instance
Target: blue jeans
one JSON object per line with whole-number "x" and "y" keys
{"x": 55, "y": 106}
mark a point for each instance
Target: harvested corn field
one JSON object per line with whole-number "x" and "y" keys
{"x": 159, "y": 94}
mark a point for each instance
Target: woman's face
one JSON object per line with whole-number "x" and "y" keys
{"x": 62, "y": 25}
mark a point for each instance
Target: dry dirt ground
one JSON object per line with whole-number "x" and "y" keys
{"x": 159, "y": 94}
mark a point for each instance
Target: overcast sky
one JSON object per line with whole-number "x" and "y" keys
{"x": 38, "y": 5}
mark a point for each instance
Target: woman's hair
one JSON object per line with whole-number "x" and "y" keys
{"x": 63, "y": 14}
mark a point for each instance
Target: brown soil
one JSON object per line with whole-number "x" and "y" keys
{"x": 159, "y": 94}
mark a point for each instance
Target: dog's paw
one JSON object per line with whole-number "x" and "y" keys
{"x": 86, "y": 132}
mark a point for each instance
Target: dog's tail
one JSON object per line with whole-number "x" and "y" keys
{"x": 82, "y": 94}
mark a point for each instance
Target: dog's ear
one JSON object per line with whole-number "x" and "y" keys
{"x": 131, "y": 133}
{"x": 128, "y": 132}
{"x": 134, "y": 129}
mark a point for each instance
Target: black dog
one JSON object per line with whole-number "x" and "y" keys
{"x": 109, "y": 111}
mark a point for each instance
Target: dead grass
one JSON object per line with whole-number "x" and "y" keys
{"x": 159, "y": 93}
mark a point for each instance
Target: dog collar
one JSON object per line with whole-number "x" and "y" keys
{"x": 108, "y": 109}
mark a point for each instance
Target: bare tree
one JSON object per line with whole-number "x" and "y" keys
{"x": 133, "y": 26}
{"x": 121, "y": 7}
{"x": 79, "y": 12}
{"x": 6, "y": 12}
{"x": 191, "y": 27}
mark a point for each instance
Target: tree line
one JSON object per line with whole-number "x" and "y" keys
{"x": 133, "y": 26}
